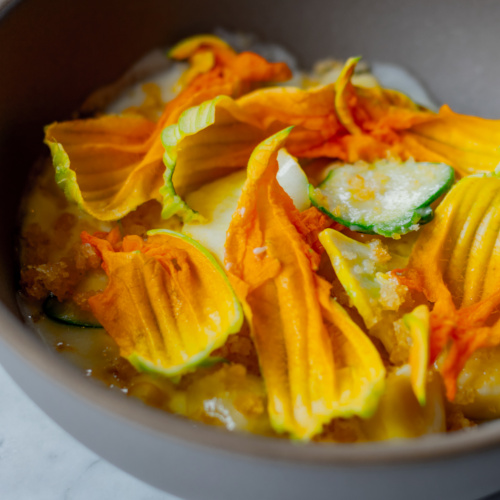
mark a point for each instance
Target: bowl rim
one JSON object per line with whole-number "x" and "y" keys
{"x": 24, "y": 341}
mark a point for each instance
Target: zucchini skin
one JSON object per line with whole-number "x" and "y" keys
{"x": 68, "y": 313}
{"x": 421, "y": 214}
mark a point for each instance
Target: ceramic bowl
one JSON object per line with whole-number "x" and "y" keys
{"x": 53, "y": 53}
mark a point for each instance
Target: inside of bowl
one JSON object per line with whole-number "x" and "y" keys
{"x": 53, "y": 54}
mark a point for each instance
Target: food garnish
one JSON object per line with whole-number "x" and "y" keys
{"x": 271, "y": 261}
{"x": 387, "y": 197}
{"x": 168, "y": 304}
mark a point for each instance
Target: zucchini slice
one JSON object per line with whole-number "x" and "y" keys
{"x": 69, "y": 313}
{"x": 387, "y": 197}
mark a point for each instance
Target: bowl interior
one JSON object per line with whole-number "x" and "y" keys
{"x": 54, "y": 53}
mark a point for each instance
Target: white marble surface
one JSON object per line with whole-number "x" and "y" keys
{"x": 40, "y": 461}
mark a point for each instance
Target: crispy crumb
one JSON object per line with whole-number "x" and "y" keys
{"x": 341, "y": 430}
{"x": 58, "y": 278}
{"x": 146, "y": 217}
{"x": 456, "y": 420}
{"x": 239, "y": 348}
{"x": 39, "y": 281}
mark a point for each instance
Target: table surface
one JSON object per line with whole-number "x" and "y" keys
{"x": 38, "y": 460}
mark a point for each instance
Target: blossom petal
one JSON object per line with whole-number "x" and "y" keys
{"x": 168, "y": 304}
{"x": 316, "y": 362}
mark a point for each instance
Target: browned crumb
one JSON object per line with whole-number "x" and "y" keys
{"x": 456, "y": 420}
{"x": 341, "y": 430}
{"x": 41, "y": 273}
{"x": 239, "y": 348}
{"x": 85, "y": 257}
{"x": 401, "y": 351}
{"x": 249, "y": 406}
{"x": 380, "y": 252}
{"x": 38, "y": 282}
{"x": 58, "y": 278}
{"x": 147, "y": 216}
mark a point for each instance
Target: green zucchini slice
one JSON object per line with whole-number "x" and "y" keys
{"x": 388, "y": 197}
{"x": 68, "y": 313}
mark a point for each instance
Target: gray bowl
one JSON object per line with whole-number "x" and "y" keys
{"x": 53, "y": 53}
